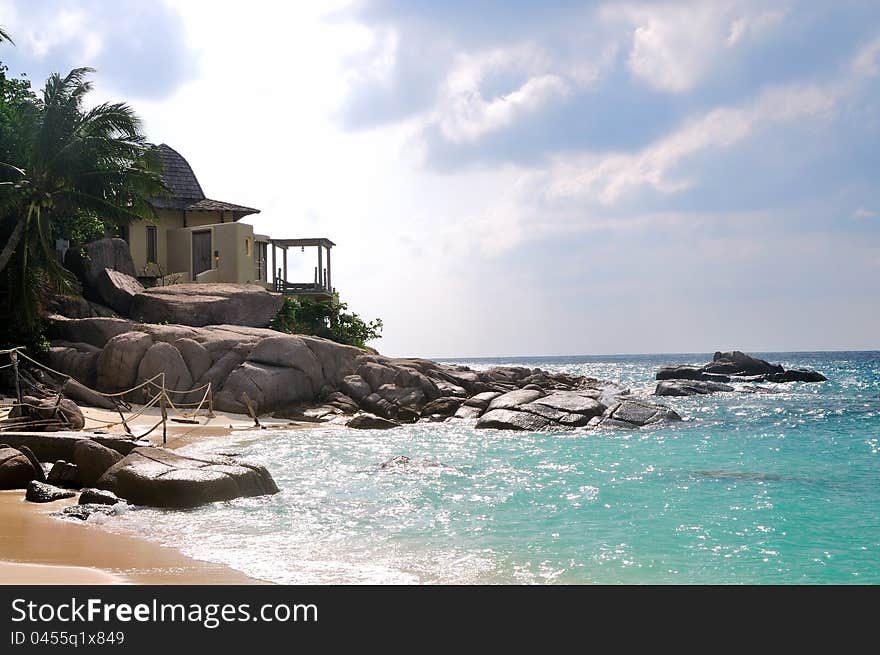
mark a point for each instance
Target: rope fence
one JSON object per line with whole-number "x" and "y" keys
{"x": 154, "y": 390}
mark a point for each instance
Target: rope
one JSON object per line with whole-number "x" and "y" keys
{"x": 117, "y": 398}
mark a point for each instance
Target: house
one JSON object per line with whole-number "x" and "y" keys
{"x": 197, "y": 239}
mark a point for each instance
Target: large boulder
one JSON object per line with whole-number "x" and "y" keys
{"x": 290, "y": 352}
{"x": 207, "y": 304}
{"x": 89, "y": 261}
{"x": 738, "y": 363}
{"x": 512, "y": 399}
{"x": 507, "y": 419}
{"x": 366, "y": 421}
{"x": 164, "y": 358}
{"x": 689, "y": 387}
{"x": 75, "y": 306}
{"x": 162, "y": 478}
{"x": 92, "y": 460}
{"x": 78, "y": 360}
{"x": 689, "y": 372}
{"x": 16, "y": 470}
{"x": 50, "y": 414}
{"x": 269, "y": 388}
{"x": 632, "y": 413}
{"x": 119, "y": 361}
{"x": 195, "y": 355}
{"x": 94, "y": 331}
{"x": 117, "y": 290}
{"x": 796, "y": 375}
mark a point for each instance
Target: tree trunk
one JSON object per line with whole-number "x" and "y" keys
{"x": 12, "y": 244}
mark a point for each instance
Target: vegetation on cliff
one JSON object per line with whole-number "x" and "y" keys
{"x": 66, "y": 172}
{"x": 325, "y": 318}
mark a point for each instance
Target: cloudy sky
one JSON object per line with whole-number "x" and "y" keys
{"x": 524, "y": 178}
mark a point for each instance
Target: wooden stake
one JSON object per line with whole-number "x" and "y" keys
{"x": 250, "y": 408}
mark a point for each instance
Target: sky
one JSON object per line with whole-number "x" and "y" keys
{"x": 521, "y": 178}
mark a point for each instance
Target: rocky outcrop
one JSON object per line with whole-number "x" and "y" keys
{"x": 309, "y": 378}
{"x": 366, "y": 421}
{"x": 207, "y": 304}
{"x": 727, "y": 367}
{"x": 40, "y": 492}
{"x": 76, "y": 307}
{"x": 64, "y": 474}
{"x": 16, "y": 470}
{"x": 689, "y": 388}
{"x": 630, "y": 414}
{"x": 53, "y": 446}
{"x": 162, "y": 478}
{"x": 117, "y": 290}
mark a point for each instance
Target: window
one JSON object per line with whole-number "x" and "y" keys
{"x": 247, "y": 247}
{"x": 152, "y": 245}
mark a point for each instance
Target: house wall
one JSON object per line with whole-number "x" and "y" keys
{"x": 168, "y": 260}
{"x": 234, "y": 264}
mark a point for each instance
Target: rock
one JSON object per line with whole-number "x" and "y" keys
{"x": 512, "y": 399}
{"x": 289, "y": 352}
{"x": 680, "y": 372}
{"x": 270, "y": 388}
{"x": 63, "y": 414}
{"x": 689, "y": 388}
{"x": 76, "y": 307}
{"x": 575, "y": 402}
{"x": 63, "y": 474}
{"x": 83, "y": 512}
{"x": 78, "y": 360}
{"x": 16, "y": 470}
{"x": 89, "y": 261}
{"x": 639, "y": 413}
{"x": 52, "y": 446}
{"x": 195, "y": 356}
{"x": 117, "y": 290}
{"x": 738, "y": 363}
{"x": 366, "y": 421}
{"x": 92, "y": 460}
{"x": 119, "y": 362}
{"x": 27, "y": 452}
{"x": 164, "y": 358}
{"x": 355, "y": 387}
{"x": 207, "y": 304}
{"x": 469, "y": 412}
{"x": 92, "y": 496}
{"x": 407, "y": 397}
{"x": 162, "y": 478}
{"x": 795, "y": 375}
{"x": 446, "y": 406}
{"x": 93, "y": 331}
{"x": 506, "y": 419}
{"x": 40, "y": 492}
{"x": 398, "y": 460}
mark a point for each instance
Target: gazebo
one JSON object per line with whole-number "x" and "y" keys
{"x": 321, "y": 286}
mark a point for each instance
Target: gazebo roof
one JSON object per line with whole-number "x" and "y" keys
{"x": 185, "y": 192}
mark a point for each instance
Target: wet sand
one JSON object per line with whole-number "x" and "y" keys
{"x": 36, "y": 548}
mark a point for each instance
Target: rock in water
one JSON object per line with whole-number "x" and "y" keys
{"x": 92, "y": 460}
{"x": 16, "y": 470}
{"x": 40, "y": 492}
{"x": 366, "y": 421}
{"x": 738, "y": 363}
{"x": 207, "y": 304}
{"x": 508, "y": 419}
{"x": 98, "y": 497}
{"x": 796, "y": 375}
{"x": 162, "y": 478}
{"x": 689, "y": 388}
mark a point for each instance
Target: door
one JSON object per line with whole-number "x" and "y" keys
{"x": 201, "y": 259}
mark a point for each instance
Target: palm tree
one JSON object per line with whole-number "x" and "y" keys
{"x": 4, "y": 36}
{"x": 71, "y": 163}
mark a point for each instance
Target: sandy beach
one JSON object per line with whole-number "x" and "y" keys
{"x": 37, "y": 548}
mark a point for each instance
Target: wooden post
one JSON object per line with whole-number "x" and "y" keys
{"x": 320, "y": 266}
{"x": 122, "y": 417}
{"x": 329, "y": 272}
{"x": 285, "y": 264}
{"x": 250, "y": 408}
{"x": 275, "y": 266}
{"x": 164, "y": 417}
{"x": 14, "y": 357}
{"x": 210, "y": 401}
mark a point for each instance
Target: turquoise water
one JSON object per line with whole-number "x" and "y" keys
{"x": 751, "y": 488}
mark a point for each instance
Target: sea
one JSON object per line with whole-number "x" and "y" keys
{"x": 776, "y": 487}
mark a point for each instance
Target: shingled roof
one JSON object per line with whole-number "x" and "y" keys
{"x": 185, "y": 192}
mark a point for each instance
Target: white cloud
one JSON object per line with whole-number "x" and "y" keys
{"x": 674, "y": 46}
{"x": 864, "y": 213}
{"x": 865, "y": 62}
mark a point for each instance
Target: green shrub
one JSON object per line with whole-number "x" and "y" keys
{"x": 325, "y": 318}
